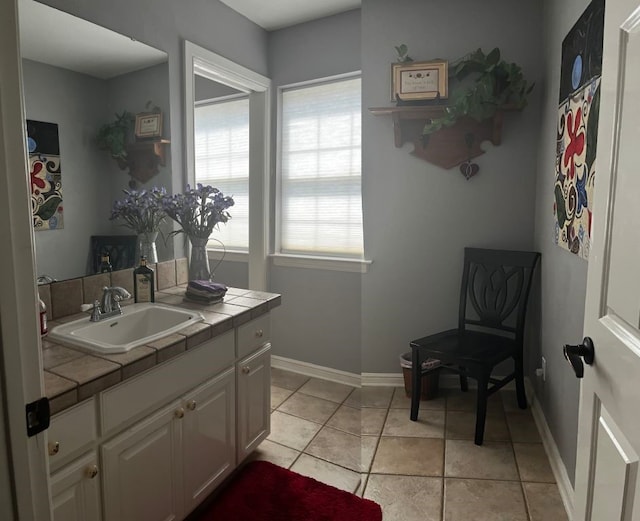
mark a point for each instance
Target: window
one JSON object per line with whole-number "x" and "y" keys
{"x": 222, "y": 160}
{"x": 320, "y": 206}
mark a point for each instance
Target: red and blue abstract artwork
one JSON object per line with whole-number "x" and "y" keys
{"x": 45, "y": 175}
{"x": 577, "y": 131}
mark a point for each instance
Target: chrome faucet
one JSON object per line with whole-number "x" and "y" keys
{"x": 110, "y": 304}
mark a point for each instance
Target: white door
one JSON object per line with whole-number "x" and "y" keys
{"x": 606, "y": 482}
{"x": 75, "y": 491}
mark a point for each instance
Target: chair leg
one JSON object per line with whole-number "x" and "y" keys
{"x": 520, "y": 391}
{"x": 481, "y": 408}
{"x": 464, "y": 384}
{"x": 416, "y": 383}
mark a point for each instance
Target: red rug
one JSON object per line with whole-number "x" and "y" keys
{"x": 263, "y": 491}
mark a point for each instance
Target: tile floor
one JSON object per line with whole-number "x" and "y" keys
{"x": 362, "y": 440}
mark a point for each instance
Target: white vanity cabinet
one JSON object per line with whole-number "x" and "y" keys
{"x": 75, "y": 490}
{"x": 155, "y": 446}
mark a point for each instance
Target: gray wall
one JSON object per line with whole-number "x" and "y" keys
{"x": 419, "y": 217}
{"x": 563, "y": 275}
{"x": 73, "y": 101}
{"x": 319, "y": 320}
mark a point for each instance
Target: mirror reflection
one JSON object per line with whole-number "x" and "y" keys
{"x": 77, "y": 77}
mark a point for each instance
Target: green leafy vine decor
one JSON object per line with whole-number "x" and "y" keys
{"x": 495, "y": 84}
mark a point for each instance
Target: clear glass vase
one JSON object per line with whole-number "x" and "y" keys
{"x": 146, "y": 246}
{"x": 198, "y": 260}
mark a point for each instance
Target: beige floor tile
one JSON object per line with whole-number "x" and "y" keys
{"x": 291, "y": 431}
{"x": 275, "y": 453}
{"x": 379, "y": 397}
{"x": 328, "y": 473}
{"x": 346, "y": 419}
{"x": 459, "y": 401}
{"x": 309, "y": 407}
{"x": 461, "y": 425}
{"x": 287, "y": 379}
{"x": 368, "y": 446}
{"x": 355, "y": 398}
{"x": 373, "y": 420}
{"x": 402, "y": 401}
{"x": 491, "y": 460}
{"x": 510, "y": 402}
{"x": 363, "y": 483}
{"x": 279, "y": 395}
{"x": 483, "y": 500}
{"x": 409, "y": 456}
{"x": 430, "y": 424}
{"x": 326, "y": 390}
{"x": 544, "y": 502}
{"x": 523, "y": 428}
{"x": 337, "y": 447}
{"x": 406, "y": 498}
{"x": 533, "y": 463}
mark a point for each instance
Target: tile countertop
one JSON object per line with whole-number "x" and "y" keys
{"x": 72, "y": 375}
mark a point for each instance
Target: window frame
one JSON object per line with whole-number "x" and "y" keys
{"x": 298, "y": 260}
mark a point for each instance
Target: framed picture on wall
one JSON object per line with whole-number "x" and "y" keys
{"x": 148, "y": 125}
{"x": 419, "y": 80}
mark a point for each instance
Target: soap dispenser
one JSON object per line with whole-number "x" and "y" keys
{"x": 143, "y": 283}
{"x": 43, "y": 317}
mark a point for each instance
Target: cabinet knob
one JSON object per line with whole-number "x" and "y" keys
{"x": 259, "y": 333}
{"x": 179, "y": 413}
{"x": 246, "y": 369}
{"x": 191, "y": 405}
{"x": 54, "y": 448}
{"x": 92, "y": 471}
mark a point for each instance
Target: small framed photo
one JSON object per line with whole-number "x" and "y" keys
{"x": 148, "y": 125}
{"x": 419, "y": 80}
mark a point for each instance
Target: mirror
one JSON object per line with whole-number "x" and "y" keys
{"x": 78, "y": 75}
{"x": 208, "y": 75}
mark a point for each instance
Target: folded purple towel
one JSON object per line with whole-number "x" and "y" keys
{"x": 207, "y": 285}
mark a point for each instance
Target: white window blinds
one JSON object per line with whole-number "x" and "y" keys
{"x": 222, "y": 161}
{"x": 320, "y": 183}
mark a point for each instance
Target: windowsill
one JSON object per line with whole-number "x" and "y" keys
{"x": 320, "y": 263}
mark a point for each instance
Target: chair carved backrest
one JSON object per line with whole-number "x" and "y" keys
{"x": 495, "y": 289}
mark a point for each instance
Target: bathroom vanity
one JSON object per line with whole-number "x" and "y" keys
{"x": 154, "y": 437}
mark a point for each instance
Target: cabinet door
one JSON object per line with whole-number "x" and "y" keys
{"x": 209, "y": 437}
{"x": 143, "y": 469}
{"x": 254, "y": 400}
{"x": 75, "y": 491}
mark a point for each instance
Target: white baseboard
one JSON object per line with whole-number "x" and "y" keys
{"x": 316, "y": 371}
{"x": 557, "y": 465}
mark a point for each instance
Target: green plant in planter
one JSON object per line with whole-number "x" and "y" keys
{"x": 113, "y": 136}
{"x": 496, "y": 84}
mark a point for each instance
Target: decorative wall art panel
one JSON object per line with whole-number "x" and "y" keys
{"x": 45, "y": 174}
{"x": 577, "y": 131}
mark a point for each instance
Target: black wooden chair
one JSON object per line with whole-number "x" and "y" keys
{"x": 121, "y": 250}
{"x": 493, "y": 303}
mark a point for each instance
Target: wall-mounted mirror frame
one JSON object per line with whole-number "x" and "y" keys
{"x": 199, "y": 61}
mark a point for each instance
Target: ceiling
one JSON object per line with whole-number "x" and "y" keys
{"x": 276, "y": 14}
{"x": 62, "y": 40}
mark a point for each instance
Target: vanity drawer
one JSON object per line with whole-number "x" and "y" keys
{"x": 140, "y": 395}
{"x": 253, "y": 334}
{"x": 71, "y": 432}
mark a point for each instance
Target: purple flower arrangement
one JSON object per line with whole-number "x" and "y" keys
{"x": 141, "y": 210}
{"x": 198, "y": 210}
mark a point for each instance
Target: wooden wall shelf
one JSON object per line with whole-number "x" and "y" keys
{"x": 145, "y": 157}
{"x": 447, "y": 147}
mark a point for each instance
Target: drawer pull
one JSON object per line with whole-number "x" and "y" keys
{"x": 54, "y": 448}
{"x": 192, "y": 405}
{"x": 259, "y": 333}
{"x": 179, "y": 413}
{"x": 92, "y": 471}
{"x": 246, "y": 369}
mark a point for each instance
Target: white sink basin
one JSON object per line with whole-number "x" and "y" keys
{"x": 139, "y": 324}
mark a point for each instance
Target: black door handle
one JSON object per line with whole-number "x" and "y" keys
{"x": 576, "y": 354}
